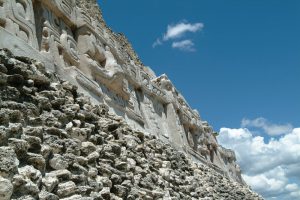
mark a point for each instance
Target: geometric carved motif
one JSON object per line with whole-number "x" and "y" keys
{"x": 21, "y": 14}
{"x": 70, "y": 52}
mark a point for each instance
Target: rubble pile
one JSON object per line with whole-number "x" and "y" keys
{"x": 55, "y": 144}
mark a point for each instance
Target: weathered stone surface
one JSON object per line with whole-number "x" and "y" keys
{"x": 43, "y": 195}
{"x": 8, "y": 162}
{"x": 20, "y": 147}
{"x": 6, "y": 189}
{"x": 58, "y": 162}
{"x": 105, "y": 193}
{"x": 50, "y": 182}
{"x": 59, "y": 139}
{"x": 37, "y": 161}
{"x": 27, "y": 181}
{"x": 62, "y": 175}
{"x": 74, "y": 41}
{"x": 66, "y": 189}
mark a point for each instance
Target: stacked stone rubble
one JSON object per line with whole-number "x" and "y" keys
{"x": 55, "y": 144}
{"x": 71, "y": 38}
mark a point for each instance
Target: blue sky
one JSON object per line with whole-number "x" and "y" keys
{"x": 247, "y": 59}
{"x": 240, "y": 67}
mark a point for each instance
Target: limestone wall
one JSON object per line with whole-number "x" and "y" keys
{"x": 71, "y": 39}
{"x": 55, "y": 144}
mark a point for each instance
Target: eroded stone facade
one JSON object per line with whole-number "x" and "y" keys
{"x": 55, "y": 144}
{"x": 71, "y": 39}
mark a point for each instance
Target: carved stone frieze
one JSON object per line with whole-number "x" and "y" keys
{"x": 17, "y": 17}
{"x": 71, "y": 37}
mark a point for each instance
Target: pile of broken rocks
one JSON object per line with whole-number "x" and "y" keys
{"x": 54, "y": 144}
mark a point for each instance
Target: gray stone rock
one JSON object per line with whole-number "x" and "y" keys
{"x": 20, "y": 147}
{"x": 79, "y": 133}
{"x": 50, "y": 182}
{"x": 120, "y": 191}
{"x": 34, "y": 131}
{"x": 58, "y": 162}
{"x": 105, "y": 193}
{"x": 3, "y": 69}
{"x": 6, "y": 189}
{"x": 93, "y": 156}
{"x": 30, "y": 173}
{"x": 87, "y": 148}
{"x": 66, "y": 189}
{"x": 43, "y": 195}
{"x": 8, "y": 162}
{"x": 37, "y": 161}
{"x": 3, "y": 79}
{"x": 116, "y": 179}
{"x": 15, "y": 130}
{"x": 105, "y": 181}
{"x": 121, "y": 165}
{"x": 93, "y": 172}
{"x": 3, "y": 137}
{"x": 33, "y": 142}
{"x": 62, "y": 175}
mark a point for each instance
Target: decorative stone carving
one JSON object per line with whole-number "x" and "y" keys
{"x": 50, "y": 36}
{"x": 66, "y": 6}
{"x": 111, "y": 64}
{"x": 190, "y": 138}
{"x": 72, "y": 37}
{"x": 83, "y": 19}
{"x": 91, "y": 53}
{"x": 70, "y": 51}
{"x": 17, "y": 18}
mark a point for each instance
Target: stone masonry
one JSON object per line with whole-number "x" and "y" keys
{"x": 71, "y": 39}
{"x": 56, "y": 144}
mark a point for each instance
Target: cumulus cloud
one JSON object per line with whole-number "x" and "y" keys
{"x": 269, "y": 128}
{"x": 178, "y": 31}
{"x": 270, "y": 167}
{"x": 184, "y": 45}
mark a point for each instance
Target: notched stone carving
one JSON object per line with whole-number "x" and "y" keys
{"x": 17, "y": 17}
{"x": 70, "y": 52}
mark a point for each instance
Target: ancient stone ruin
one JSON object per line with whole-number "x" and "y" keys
{"x": 82, "y": 118}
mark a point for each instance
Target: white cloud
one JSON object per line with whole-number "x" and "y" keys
{"x": 270, "y": 167}
{"x": 156, "y": 43}
{"x": 178, "y": 30}
{"x": 184, "y": 45}
{"x": 267, "y": 127}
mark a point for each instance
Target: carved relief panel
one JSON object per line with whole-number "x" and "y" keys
{"x": 63, "y": 8}
{"x": 145, "y": 79}
{"x": 17, "y": 17}
{"x": 66, "y": 6}
{"x": 99, "y": 29}
{"x": 50, "y": 37}
{"x": 70, "y": 52}
{"x": 158, "y": 117}
{"x": 191, "y": 138}
{"x": 92, "y": 53}
{"x": 133, "y": 102}
{"x": 150, "y": 114}
{"x": 113, "y": 97}
{"x": 132, "y": 71}
{"x": 82, "y": 18}
{"x": 56, "y": 38}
